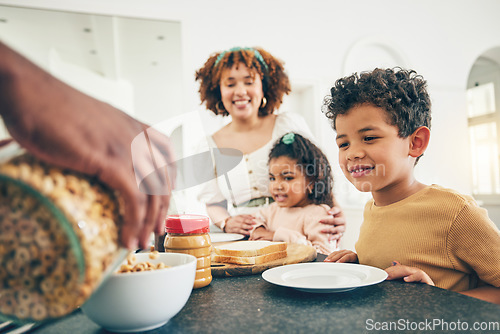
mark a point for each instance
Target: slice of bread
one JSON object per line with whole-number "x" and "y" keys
{"x": 250, "y": 248}
{"x": 249, "y": 259}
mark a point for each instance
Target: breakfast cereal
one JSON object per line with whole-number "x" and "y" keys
{"x": 131, "y": 266}
{"x": 58, "y": 237}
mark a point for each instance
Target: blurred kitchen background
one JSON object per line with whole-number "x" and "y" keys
{"x": 141, "y": 56}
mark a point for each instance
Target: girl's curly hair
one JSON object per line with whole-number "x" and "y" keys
{"x": 313, "y": 163}
{"x": 401, "y": 93}
{"x": 275, "y": 82}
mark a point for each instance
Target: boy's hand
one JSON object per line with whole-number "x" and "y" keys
{"x": 408, "y": 274}
{"x": 261, "y": 233}
{"x": 342, "y": 256}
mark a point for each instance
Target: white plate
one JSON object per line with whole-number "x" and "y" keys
{"x": 324, "y": 277}
{"x": 223, "y": 237}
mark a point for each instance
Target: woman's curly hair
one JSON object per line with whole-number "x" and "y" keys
{"x": 313, "y": 163}
{"x": 401, "y": 93}
{"x": 275, "y": 82}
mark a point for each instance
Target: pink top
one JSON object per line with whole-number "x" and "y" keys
{"x": 299, "y": 225}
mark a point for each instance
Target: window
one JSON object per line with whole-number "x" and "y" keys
{"x": 483, "y": 109}
{"x": 484, "y": 151}
{"x": 481, "y": 99}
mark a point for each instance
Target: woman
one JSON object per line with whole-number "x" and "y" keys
{"x": 248, "y": 84}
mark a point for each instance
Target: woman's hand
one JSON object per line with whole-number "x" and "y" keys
{"x": 342, "y": 256}
{"x": 261, "y": 233}
{"x": 408, "y": 274}
{"x": 335, "y": 223}
{"x": 242, "y": 224}
{"x": 65, "y": 127}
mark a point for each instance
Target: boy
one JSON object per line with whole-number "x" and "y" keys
{"x": 417, "y": 232}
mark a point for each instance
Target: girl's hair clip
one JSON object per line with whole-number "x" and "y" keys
{"x": 288, "y": 138}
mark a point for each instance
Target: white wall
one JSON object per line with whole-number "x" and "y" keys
{"x": 322, "y": 40}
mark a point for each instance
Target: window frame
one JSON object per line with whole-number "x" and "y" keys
{"x": 481, "y": 77}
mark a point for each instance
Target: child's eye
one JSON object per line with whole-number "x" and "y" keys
{"x": 370, "y": 138}
{"x": 343, "y": 145}
{"x": 249, "y": 83}
{"x": 271, "y": 178}
{"x": 288, "y": 178}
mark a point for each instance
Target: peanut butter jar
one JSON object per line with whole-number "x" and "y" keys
{"x": 189, "y": 234}
{"x": 58, "y": 237}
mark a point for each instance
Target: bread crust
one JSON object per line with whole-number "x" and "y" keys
{"x": 249, "y": 260}
{"x": 250, "y": 248}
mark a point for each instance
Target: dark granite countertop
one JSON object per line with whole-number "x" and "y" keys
{"x": 249, "y": 304}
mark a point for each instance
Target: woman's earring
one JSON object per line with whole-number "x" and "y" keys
{"x": 264, "y": 103}
{"x": 220, "y": 109}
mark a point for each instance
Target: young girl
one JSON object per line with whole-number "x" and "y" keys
{"x": 301, "y": 185}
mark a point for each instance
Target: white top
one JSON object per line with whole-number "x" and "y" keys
{"x": 250, "y": 178}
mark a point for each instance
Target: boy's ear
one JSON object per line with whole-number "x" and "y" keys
{"x": 419, "y": 141}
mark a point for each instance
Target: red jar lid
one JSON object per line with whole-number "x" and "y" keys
{"x": 187, "y": 224}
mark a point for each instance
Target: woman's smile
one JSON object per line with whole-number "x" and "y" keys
{"x": 241, "y": 92}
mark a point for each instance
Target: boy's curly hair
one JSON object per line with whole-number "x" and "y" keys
{"x": 314, "y": 165}
{"x": 275, "y": 82}
{"x": 401, "y": 93}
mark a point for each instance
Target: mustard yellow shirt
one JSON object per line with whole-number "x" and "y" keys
{"x": 438, "y": 230}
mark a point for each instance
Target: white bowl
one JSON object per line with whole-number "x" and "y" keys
{"x": 140, "y": 301}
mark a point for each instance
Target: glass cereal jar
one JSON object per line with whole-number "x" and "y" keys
{"x": 189, "y": 234}
{"x": 58, "y": 237}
